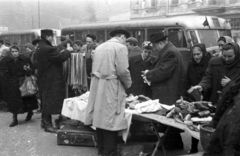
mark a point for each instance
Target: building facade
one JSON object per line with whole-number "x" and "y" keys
{"x": 228, "y": 9}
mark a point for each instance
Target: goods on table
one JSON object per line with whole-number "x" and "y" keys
{"x": 142, "y": 104}
{"x": 191, "y": 113}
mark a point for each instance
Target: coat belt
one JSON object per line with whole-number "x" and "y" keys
{"x": 119, "y": 97}
{"x": 100, "y": 76}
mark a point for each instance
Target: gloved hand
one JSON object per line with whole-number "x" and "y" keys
{"x": 69, "y": 48}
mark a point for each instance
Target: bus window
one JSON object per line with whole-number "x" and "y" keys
{"x": 78, "y": 35}
{"x": 176, "y": 36}
{"x": 28, "y": 38}
{"x": 154, "y": 31}
{"x": 208, "y": 37}
{"x": 139, "y": 35}
{"x": 225, "y": 33}
{"x": 22, "y": 39}
{"x": 193, "y": 37}
{"x": 100, "y": 37}
{"x": 84, "y": 34}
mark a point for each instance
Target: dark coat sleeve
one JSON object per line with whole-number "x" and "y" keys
{"x": 207, "y": 80}
{"x": 164, "y": 69}
{"x": 55, "y": 56}
{"x": 186, "y": 85}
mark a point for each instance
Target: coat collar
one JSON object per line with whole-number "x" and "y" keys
{"x": 169, "y": 44}
{"x": 46, "y": 41}
{"x": 113, "y": 40}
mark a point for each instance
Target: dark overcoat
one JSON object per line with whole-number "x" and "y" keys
{"x": 135, "y": 51}
{"x": 136, "y": 66}
{"x": 167, "y": 75}
{"x": 50, "y": 75}
{"x": 215, "y": 73}
{"x": 12, "y": 72}
{"x": 195, "y": 73}
{"x": 225, "y": 141}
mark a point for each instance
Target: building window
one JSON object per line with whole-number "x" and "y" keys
{"x": 174, "y": 2}
{"x": 233, "y": 1}
{"x": 212, "y": 2}
{"x": 153, "y": 3}
{"x": 235, "y": 23}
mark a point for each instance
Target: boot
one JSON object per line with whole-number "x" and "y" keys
{"x": 48, "y": 127}
{"x": 58, "y": 121}
{"x": 194, "y": 147}
{"x": 42, "y": 121}
{"x": 29, "y": 116}
{"x": 15, "y": 121}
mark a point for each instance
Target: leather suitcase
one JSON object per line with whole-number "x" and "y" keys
{"x": 76, "y": 136}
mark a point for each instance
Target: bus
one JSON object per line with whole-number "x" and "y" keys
{"x": 182, "y": 31}
{"x": 22, "y": 37}
{"x": 236, "y": 36}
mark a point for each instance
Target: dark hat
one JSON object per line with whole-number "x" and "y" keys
{"x": 132, "y": 40}
{"x": 119, "y": 30}
{"x": 63, "y": 38}
{"x": 47, "y": 32}
{"x": 158, "y": 37}
{"x": 35, "y": 42}
{"x": 92, "y": 36}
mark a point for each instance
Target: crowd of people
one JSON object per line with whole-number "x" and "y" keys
{"x": 118, "y": 67}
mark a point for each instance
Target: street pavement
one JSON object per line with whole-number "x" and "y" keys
{"x": 28, "y": 139}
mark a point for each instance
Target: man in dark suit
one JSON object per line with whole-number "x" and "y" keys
{"x": 50, "y": 76}
{"x": 137, "y": 64}
{"x": 166, "y": 78}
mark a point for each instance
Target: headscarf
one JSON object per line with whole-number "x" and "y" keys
{"x": 226, "y": 39}
{"x": 237, "y": 56}
{"x": 205, "y": 57}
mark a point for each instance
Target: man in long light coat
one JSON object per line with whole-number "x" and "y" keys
{"x": 106, "y": 103}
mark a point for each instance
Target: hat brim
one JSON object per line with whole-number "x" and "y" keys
{"x": 159, "y": 39}
{"x": 119, "y": 31}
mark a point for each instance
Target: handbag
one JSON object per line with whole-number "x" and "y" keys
{"x": 28, "y": 86}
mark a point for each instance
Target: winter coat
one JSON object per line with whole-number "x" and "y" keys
{"x": 136, "y": 66}
{"x": 167, "y": 75}
{"x": 195, "y": 73}
{"x": 106, "y": 102}
{"x": 135, "y": 51}
{"x": 216, "y": 71}
{"x": 12, "y": 72}
{"x": 225, "y": 141}
{"x": 50, "y": 75}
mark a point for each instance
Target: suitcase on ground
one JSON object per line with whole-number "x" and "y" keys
{"x": 76, "y": 136}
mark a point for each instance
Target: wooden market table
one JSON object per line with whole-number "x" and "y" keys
{"x": 169, "y": 122}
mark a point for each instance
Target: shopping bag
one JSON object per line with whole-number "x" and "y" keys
{"x": 28, "y": 86}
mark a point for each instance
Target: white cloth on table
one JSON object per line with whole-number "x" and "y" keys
{"x": 74, "y": 108}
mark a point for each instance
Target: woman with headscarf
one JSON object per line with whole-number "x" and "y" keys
{"x": 220, "y": 71}
{"x": 15, "y": 68}
{"x": 221, "y": 41}
{"x": 195, "y": 72}
{"x": 225, "y": 141}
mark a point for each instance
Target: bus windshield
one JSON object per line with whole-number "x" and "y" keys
{"x": 208, "y": 37}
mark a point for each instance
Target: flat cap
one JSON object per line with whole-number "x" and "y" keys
{"x": 132, "y": 40}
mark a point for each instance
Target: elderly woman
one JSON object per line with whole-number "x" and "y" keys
{"x": 221, "y": 41}
{"x": 15, "y": 68}
{"x": 195, "y": 73}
